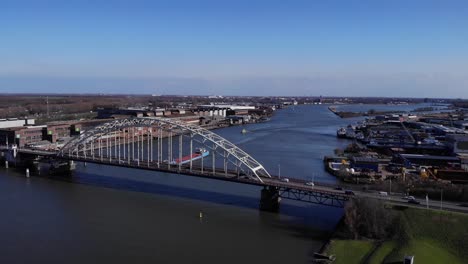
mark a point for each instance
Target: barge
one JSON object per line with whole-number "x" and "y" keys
{"x": 198, "y": 154}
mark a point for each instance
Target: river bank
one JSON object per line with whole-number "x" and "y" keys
{"x": 368, "y": 110}
{"x": 346, "y": 114}
{"x": 430, "y": 236}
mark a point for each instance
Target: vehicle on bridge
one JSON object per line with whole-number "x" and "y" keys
{"x": 414, "y": 201}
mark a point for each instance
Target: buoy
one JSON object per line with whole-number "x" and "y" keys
{"x": 27, "y": 173}
{"x": 201, "y": 214}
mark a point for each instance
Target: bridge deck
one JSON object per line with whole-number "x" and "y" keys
{"x": 294, "y": 189}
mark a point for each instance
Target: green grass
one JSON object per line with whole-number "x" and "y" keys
{"x": 425, "y": 251}
{"x": 434, "y": 237}
{"x": 382, "y": 252}
{"x": 437, "y": 237}
{"x": 349, "y": 251}
{"x": 446, "y": 229}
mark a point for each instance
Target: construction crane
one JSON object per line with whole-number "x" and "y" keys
{"x": 408, "y": 132}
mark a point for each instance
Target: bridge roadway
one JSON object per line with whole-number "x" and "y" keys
{"x": 294, "y": 189}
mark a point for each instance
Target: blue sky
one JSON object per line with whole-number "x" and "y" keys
{"x": 415, "y": 48}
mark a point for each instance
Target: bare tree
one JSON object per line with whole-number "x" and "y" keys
{"x": 369, "y": 218}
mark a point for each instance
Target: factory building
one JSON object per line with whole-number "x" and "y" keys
{"x": 56, "y": 131}
{"x": 116, "y": 113}
{"x": 428, "y": 160}
{"x": 223, "y": 110}
{"x": 458, "y": 143}
{"x": 21, "y": 136}
{"x": 369, "y": 163}
{"x": 15, "y": 122}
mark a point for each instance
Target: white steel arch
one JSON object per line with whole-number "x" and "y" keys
{"x": 76, "y": 145}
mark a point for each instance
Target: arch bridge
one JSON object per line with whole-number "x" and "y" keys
{"x": 174, "y": 146}
{"x": 164, "y": 143}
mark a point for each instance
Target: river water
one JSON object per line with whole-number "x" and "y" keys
{"x": 118, "y": 215}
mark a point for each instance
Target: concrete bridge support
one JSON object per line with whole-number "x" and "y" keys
{"x": 270, "y": 199}
{"x": 71, "y": 165}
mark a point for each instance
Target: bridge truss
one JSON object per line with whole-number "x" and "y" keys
{"x": 313, "y": 196}
{"x": 163, "y": 142}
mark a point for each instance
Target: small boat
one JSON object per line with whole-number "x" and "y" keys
{"x": 324, "y": 257}
{"x": 244, "y": 131}
{"x": 350, "y": 132}
{"x": 341, "y": 133}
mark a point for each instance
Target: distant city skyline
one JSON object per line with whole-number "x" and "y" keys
{"x": 299, "y": 48}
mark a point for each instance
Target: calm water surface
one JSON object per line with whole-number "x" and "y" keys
{"x": 117, "y": 215}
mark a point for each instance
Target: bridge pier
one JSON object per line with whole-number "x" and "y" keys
{"x": 270, "y": 199}
{"x": 71, "y": 165}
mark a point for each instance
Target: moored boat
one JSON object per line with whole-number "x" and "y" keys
{"x": 341, "y": 133}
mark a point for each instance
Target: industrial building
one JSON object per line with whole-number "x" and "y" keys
{"x": 106, "y": 113}
{"x": 428, "y": 160}
{"x": 22, "y": 135}
{"x": 51, "y": 132}
{"x": 223, "y": 110}
{"x": 15, "y": 122}
{"x": 458, "y": 143}
{"x": 369, "y": 163}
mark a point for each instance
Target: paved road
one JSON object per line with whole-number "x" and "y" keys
{"x": 398, "y": 200}
{"x": 391, "y": 198}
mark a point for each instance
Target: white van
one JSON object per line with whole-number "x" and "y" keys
{"x": 383, "y": 193}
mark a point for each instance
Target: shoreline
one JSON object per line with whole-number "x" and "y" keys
{"x": 349, "y": 114}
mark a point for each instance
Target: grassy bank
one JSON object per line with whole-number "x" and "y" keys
{"x": 432, "y": 237}
{"x": 350, "y": 251}
{"x": 381, "y": 252}
{"x": 425, "y": 251}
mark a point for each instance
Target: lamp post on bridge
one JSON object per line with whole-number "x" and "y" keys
{"x": 279, "y": 171}
{"x": 390, "y": 191}
{"x": 441, "y": 195}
